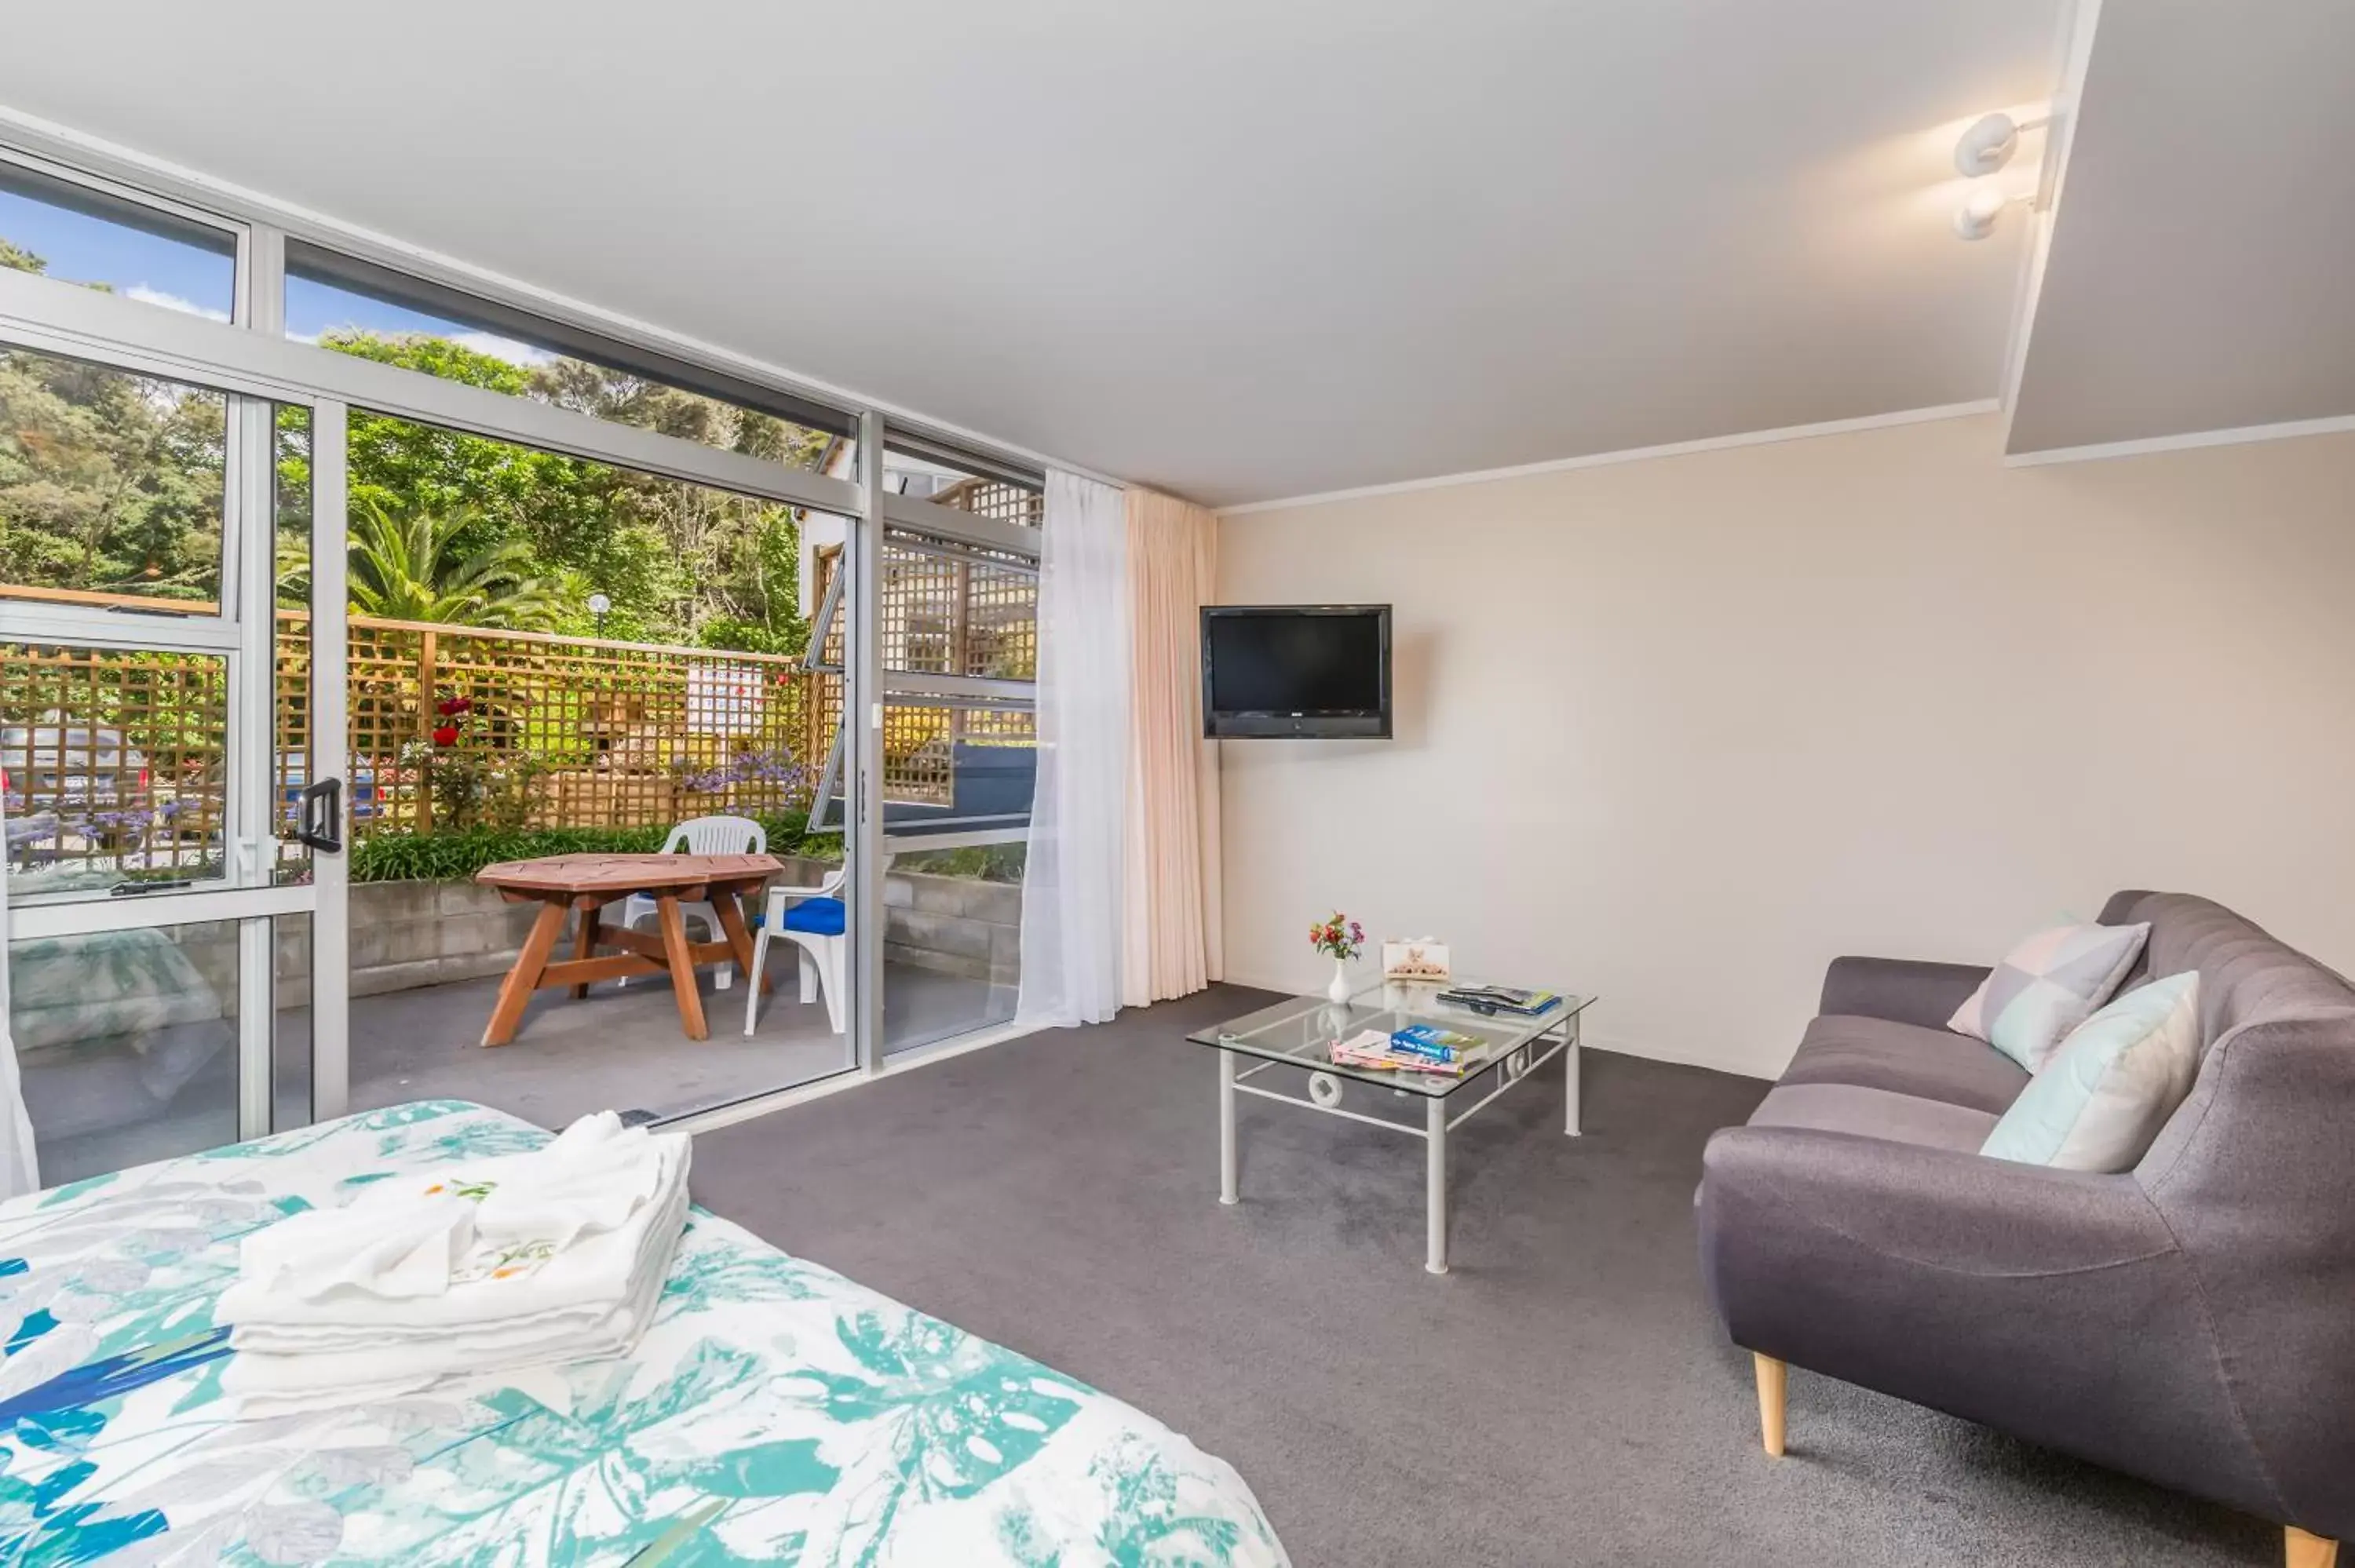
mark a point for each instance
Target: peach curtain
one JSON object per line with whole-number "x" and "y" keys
{"x": 1170, "y": 937}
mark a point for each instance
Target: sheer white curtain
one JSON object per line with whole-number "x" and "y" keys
{"x": 1072, "y": 903}
{"x": 20, "y": 1171}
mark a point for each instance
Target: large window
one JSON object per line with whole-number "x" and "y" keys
{"x": 609, "y": 598}
{"x": 354, "y": 307}
{"x": 959, "y": 645}
{"x": 494, "y": 702}
{"x": 78, "y": 234}
{"x": 111, "y": 486}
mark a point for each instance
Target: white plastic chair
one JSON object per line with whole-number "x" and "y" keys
{"x": 815, "y": 922}
{"x": 702, "y": 835}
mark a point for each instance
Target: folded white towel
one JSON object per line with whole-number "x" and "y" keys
{"x": 403, "y": 1250}
{"x": 522, "y": 1273}
{"x": 400, "y": 1365}
{"x": 565, "y": 1192}
{"x": 491, "y": 1336}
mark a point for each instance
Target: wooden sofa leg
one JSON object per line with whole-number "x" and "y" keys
{"x": 2304, "y": 1551}
{"x": 1775, "y": 1381}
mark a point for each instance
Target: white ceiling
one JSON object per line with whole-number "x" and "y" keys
{"x": 1236, "y": 249}
{"x": 2202, "y": 275}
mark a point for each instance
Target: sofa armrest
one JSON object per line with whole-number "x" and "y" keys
{"x": 1901, "y": 991}
{"x": 2053, "y": 1305}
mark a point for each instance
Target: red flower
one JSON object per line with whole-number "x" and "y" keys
{"x": 461, "y": 704}
{"x": 447, "y": 735}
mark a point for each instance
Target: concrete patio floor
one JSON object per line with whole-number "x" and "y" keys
{"x": 619, "y": 1048}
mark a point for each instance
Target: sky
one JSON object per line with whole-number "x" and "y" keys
{"x": 179, "y": 274}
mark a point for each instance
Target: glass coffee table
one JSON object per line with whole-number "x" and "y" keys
{"x": 1302, "y": 1031}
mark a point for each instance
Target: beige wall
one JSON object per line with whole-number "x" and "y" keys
{"x": 1678, "y": 732}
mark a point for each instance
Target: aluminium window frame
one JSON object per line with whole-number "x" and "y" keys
{"x": 251, "y": 356}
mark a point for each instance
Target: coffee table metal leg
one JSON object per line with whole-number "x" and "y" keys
{"x": 1226, "y": 1194}
{"x": 1570, "y": 1074}
{"x": 1435, "y": 1195}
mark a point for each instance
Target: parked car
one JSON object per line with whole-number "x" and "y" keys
{"x": 52, "y": 763}
{"x": 88, "y": 777}
{"x": 360, "y": 802}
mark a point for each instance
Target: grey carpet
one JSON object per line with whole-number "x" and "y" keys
{"x": 1565, "y": 1398}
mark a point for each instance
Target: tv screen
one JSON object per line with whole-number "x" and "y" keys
{"x": 1318, "y": 670}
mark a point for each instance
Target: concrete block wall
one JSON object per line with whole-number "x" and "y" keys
{"x": 954, "y": 925}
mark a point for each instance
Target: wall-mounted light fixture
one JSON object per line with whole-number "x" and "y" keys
{"x": 1989, "y": 142}
{"x": 1985, "y": 147}
{"x": 1976, "y": 218}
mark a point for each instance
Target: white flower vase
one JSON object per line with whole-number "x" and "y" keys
{"x": 1337, "y": 990}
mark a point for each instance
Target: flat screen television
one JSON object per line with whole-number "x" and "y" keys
{"x": 1304, "y": 670}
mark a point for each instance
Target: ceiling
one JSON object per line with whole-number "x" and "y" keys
{"x": 1234, "y": 249}
{"x": 2202, "y": 274}
{"x": 1246, "y": 251}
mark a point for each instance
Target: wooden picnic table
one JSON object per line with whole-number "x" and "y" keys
{"x": 588, "y": 883}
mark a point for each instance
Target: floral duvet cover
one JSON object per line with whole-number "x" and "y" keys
{"x": 775, "y": 1411}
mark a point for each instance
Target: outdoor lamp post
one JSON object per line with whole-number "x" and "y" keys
{"x": 598, "y": 605}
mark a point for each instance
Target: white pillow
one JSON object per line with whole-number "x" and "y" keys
{"x": 2112, "y": 1085}
{"x": 2047, "y": 986}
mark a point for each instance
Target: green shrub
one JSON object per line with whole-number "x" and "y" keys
{"x": 455, "y": 857}
{"x": 988, "y": 862}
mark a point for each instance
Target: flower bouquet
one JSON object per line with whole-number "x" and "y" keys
{"x": 1341, "y": 938}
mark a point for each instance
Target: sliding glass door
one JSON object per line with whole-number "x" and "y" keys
{"x": 174, "y": 838}
{"x": 324, "y": 588}
{"x": 950, "y": 759}
{"x": 486, "y": 728}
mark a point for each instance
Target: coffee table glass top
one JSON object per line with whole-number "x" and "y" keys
{"x": 1301, "y": 1031}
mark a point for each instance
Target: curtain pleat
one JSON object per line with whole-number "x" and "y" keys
{"x": 1170, "y": 943}
{"x": 1073, "y": 879}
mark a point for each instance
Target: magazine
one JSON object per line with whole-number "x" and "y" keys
{"x": 1502, "y": 998}
{"x": 1372, "y": 1048}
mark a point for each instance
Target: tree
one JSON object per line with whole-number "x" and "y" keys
{"x": 108, "y": 480}
{"x": 404, "y": 568}
{"x": 114, "y": 481}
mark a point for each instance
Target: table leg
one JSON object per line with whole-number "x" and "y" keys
{"x": 1570, "y": 1076}
{"x": 515, "y": 990}
{"x": 682, "y": 969}
{"x": 584, "y": 942}
{"x": 731, "y": 910}
{"x": 1435, "y": 1184}
{"x": 1227, "y": 1183}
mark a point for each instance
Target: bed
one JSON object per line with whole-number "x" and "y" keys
{"x": 775, "y": 1411}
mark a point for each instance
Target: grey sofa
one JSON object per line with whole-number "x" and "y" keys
{"x": 2191, "y": 1322}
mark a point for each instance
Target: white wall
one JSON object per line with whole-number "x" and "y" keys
{"x": 1678, "y": 732}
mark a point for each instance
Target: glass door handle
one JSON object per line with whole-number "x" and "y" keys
{"x": 322, "y": 816}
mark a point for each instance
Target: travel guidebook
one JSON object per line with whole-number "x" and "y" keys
{"x": 1418, "y": 1048}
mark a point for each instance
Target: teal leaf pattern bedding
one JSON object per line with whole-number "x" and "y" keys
{"x": 775, "y": 1411}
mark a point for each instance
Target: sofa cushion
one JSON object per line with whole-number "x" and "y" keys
{"x": 2112, "y": 1084}
{"x": 1875, "y": 1113}
{"x": 1907, "y": 1059}
{"x": 2047, "y": 986}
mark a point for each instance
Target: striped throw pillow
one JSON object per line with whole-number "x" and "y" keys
{"x": 2046, "y": 987}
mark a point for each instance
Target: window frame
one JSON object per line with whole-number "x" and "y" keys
{"x": 248, "y": 356}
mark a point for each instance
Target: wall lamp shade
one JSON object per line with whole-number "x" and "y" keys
{"x": 1976, "y": 218}
{"x": 1987, "y": 146}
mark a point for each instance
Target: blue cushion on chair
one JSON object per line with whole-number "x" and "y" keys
{"x": 819, "y": 917}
